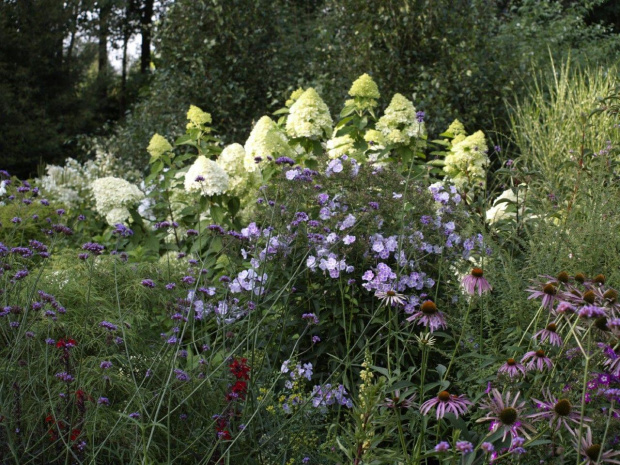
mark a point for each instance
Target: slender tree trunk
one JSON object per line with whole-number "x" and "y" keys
{"x": 75, "y": 12}
{"x": 146, "y": 22}
{"x": 123, "y": 102}
{"x": 102, "y": 75}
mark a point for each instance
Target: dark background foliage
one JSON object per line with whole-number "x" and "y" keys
{"x": 240, "y": 58}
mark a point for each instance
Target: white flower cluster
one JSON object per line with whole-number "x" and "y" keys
{"x": 70, "y": 184}
{"x": 309, "y": 116}
{"x": 266, "y": 142}
{"x": 241, "y": 181}
{"x": 505, "y": 206}
{"x": 207, "y": 177}
{"x": 114, "y": 197}
{"x": 466, "y": 164}
{"x": 339, "y": 146}
{"x": 399, "y": 123}
{"x": 364, "y": 92}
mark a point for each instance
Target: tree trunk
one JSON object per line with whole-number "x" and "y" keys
{"x": 146, "y": 22}
{"x": 104, "y": 13}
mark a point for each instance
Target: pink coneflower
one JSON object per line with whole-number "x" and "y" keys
{"x": 549, "y": 333}
{"x": 475, "y": 280}
{"x": 446, "y": 402}
{"x": 592, "y": 452}
{"x": 537, "y": 358}
{"x": 548, "y": 293}
{"x": 558, "y": 412}
{"x": 429, "y": 316}
{"x": 391, "y": 297}
{"x": 400, "y": 402}
{"x": 512, "y": 368}
{"x": 505, "y": 414}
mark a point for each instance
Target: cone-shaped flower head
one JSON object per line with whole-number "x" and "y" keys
{"x": 399, "y": 122}
{"x": 309, "y": 116}
{"x": 466, "y": 163}
{"x": 158, "y": 146}
{"x": 364, "y": 92}
{"x": 197, "y": 118}
{"x": 294, "y": 96}
{"x": 207, "y": 177}
{"x": 266, "y": 140}
{"x": 364, "y": 87}
{"x": 457, "y": 129}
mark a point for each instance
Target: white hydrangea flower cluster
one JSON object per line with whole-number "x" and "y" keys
{"x": 241, "y": 180}
{"x": 70, "y": 184}
{"x": 309, "y": 116}
{"x": 265, "y": 141}
{"x": 500, "y": 209}
{"x": 467, "y": 161}
{"x": 399, "y": 123}
{"x": 207, "y": 177}
{"x": 365, "y": 93}
{"x": 339, "y": 146}
{"x": 114, "y": 197}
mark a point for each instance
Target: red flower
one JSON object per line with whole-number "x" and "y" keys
{"x": 237, "y": 391}
{"x": 240, "y": 369}
{"x": 75, "y": 434}
{"x": 66, "y": 343}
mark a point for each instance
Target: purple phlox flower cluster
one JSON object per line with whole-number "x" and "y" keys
{"x": 323, "y": 396}
{"x": 228, "y": 312}
{"x": 249, "y": 280}
{"x": 105, "y": 365}
{"x": 251, "y": 231}
{"x": 347, "y": 223}
{"x": 445, "y": 196}
{"x": 299, "y": 174}
{"x": 383, "y": 247}
{"x": 334, "y": 166}
{"x": 148, "y": 283}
